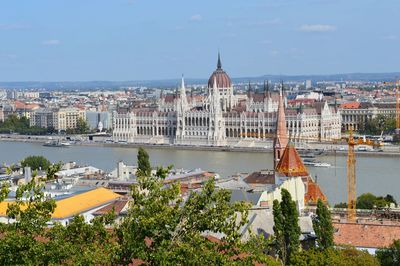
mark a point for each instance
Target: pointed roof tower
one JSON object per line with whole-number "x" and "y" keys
{"x": 219, "y": 75}
{"x": 281, "y": 130}
{"x": 219, "y": 65}
{"x": 291, "y": 164}
{"x": 249, "y": 91}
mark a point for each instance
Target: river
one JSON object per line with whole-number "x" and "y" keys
{"x": 378, "y": 175}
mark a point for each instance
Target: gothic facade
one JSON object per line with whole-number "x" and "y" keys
{"x": 223, "y": 118}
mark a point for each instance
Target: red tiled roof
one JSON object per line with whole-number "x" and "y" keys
{"x": 314, "y": 193}
{"x": 117, "y": 205}
{"x": 291, "y": 164}
{"x": 366, "y": 235}
{"x": 350, "y": 105}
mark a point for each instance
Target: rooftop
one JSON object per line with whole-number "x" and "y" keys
{"x": 369, "y": 235}
{"x": 75, "y": 204}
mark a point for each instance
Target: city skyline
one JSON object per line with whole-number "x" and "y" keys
{"x": 150, "y": 40}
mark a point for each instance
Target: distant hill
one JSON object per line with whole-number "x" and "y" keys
{"x": 170, "y": 83}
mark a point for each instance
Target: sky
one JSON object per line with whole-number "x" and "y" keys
{"x": 117, "y": 40}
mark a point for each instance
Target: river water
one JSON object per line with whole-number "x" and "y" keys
{"x": 378, "y": 175}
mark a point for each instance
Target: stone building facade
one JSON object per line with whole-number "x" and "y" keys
{"x": 222, "y": 118}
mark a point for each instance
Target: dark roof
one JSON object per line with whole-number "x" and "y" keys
{"x": 117, "y": 205}
{"x": 243, "y": 195}
{"x": 260, "y": 178}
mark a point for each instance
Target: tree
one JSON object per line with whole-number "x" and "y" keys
{"x": 52, "y": 170}
{"x": 380, "y": 123}
{"x": 286, "y": 227}
{"x": 343, "y": 256}
{"x": 389, "y": 256}
{"x": 144, "y": 167}
{"x": 161, "y": 228}
{"x": 36, "y": 162}
{"x": 82, "y": 127}
{"x": 82, "y": 243}
{"x": 22, "y": 241}
{"x": 322, "y": 225}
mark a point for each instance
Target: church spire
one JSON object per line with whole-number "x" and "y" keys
{"x": 219, "y": 65}
{"x": 281, "y": 130}
{"x": 183, "y": 89}
{"x": 266, "y": 89}
{"x": 249, "y": 90}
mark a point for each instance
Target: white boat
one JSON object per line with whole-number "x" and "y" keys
{"x": 56, "y": 143}
{"x": 317, "y": 164}
{"x": 322, "y": 165}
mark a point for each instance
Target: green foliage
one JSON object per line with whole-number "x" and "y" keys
{"x": 369, "y": 201}
{"x": 286, "y": 227}
{"x": 163, "y": 229}
{"x": 31, "y": 209}
{"x": 341, "y": 205}
{"x": 14, "y": 124}
{"x": 52, "y": 170}
{"x": 389, "y": 256}
{"x": 82, "y": 243}
{"x": 380, "y": 123}
{"x": 322, "y": 225}
{"x": 36, "y": 162}
{"x": 144, "y": 167}
{"x": 22, "y": 241}
{"x": 82, "y": 127}
{"x": 342, "y": 256}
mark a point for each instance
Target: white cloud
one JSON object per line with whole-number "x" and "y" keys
{"x": 51, "y": 42}
{"x": 274, "y": 21}
{"x": 317, "y": 28}
{"x": 196, "y": 17}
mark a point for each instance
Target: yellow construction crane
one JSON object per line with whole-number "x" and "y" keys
{"x": 351, "y": 165}
{"x": 351, "y": 180}
{"x": 396, "y": 84}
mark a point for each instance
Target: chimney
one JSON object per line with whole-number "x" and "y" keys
{"x": 27, "y": 174}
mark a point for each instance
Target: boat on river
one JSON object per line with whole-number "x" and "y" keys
{"x": 57, "y": 143}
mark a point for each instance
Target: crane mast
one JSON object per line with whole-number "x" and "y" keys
{"x": 351, "y": 180}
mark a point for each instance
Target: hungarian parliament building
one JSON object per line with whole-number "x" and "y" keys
{"x": 223, "y": 118}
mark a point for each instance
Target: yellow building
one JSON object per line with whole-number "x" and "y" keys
{"x": 67, "y": 118}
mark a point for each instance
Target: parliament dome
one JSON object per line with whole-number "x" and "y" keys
{"x": 220, "y": 76}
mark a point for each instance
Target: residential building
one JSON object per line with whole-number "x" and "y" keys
{"x": 44, "y": 118}
{"x": 67, "y": 118}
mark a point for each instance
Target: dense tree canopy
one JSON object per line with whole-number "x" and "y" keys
{"x": 14, "y": 124}
{"x": 343, "y": 256}
{"x": 380, "y": 123}
{"x": 286, "y": 227}
{"x": 143, "y": 161}
{"x": 322, "y": 224}
{"x": 369, "y": 201}
{"x": 36, "y": 162}
{"x": 389, "y": 256}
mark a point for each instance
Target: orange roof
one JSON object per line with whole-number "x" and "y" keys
{"x": 350, "y": 105}
{"x": 314, "y": 193}
{"x": 366, "y": 235}
{"x": 291, "y": 164}
{"x": 76, "y": 204}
